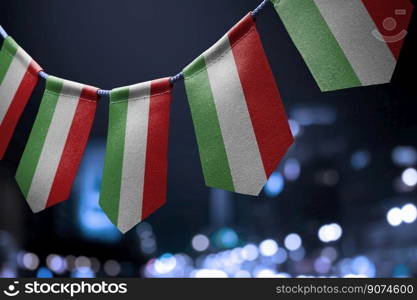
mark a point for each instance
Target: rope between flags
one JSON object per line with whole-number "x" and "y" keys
{"x": 174, "y": 79}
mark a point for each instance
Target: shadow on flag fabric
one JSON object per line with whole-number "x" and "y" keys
{"x": 18, "y": 78}
{"x": 57, "y": 142}
{"x": 347, "y": 43}
{"x": 239, "y": 119}
{"x": 136, "y": 163}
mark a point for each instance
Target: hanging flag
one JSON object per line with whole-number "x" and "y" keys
{"x": 240, "y": 122}
{"x": 56, "y": 144}
{"x": 18, "y": 78}
{"x": 347, "y": 43}
{"x": 135, "y": 170}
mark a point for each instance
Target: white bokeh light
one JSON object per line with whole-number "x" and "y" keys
{"x": 292, "y": 242}
{"x": 165, "y": 264}
{"x": 268, "y": 247}
{"x": 200, "y": 242}
{"x": 30, "y": 261}
{"x": 265, "y": 273}
{"x": 409, "y": 177}
{"x": 394, "y": 216}
{"x": 409, "y": 213}
{"x": 330, "y": 233}
{"x": 208, "y": 273}
{"x": 250, "y": 252}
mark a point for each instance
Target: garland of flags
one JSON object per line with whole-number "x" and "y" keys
{"x": 240, "y": 122}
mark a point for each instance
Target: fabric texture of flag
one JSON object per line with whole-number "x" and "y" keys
{"x": 347, "y": 43}
{"x": 57, "y": 142}
{"x": 136, "y": 163}
{"x": 239, "y": 119}
{"x": 18, "y": 78}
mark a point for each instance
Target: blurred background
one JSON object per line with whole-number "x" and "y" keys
{"x": 342, "y": 202}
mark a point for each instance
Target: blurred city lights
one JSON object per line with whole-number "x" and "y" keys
{"x": 200, "y": 242}
{"x": 82, "y": 261}
{"x": 330, "y": 233}
{"x": 330, "y": 253}
{"x": 92, "y": 221}
{"x": 409, "y": 177}
{"x": 280, "y": 257}
{"x": 275, "y": 185}
{"x": 70, "y": 261}
{"x": 207, "y": 273}
{"x": 307, "y": 116}
{"x": 250, "y": 252}
{"x": 242, "y": 274}
{"x": 298, "y": 254}
{"x": 295, "y": 127}
{"x": 56, "y": 263}
{"x": 7, "y": 273}
{"x": 166, "y": 263}
{"x": 268, "y": 247}
{"x": 293, "y": 242}
{"x": 226, "y": 238}
{"x": 112, "y": 268}
{"x": 394, "y": 216}
{"x": 404, "y": 156}
{"x": 401, "y": 271}
{"x": 147, "y": 238}
{"x": 322, "y": 265}
{"x": 363, "y": 266}
{"x": 44, "y": 273}
{"x": 292, "y": 169}
{"x": 360, "y": 159}
{"x": 265, "y": 273}
{"x": 409, "y": 213}
{"x": 83, "y": 272}
{"x": 30, "y": 261}
{"x": 95, "y": 264}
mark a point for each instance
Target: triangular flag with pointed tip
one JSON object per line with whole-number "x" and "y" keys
{"x": 347, "y": 43}
{"x": 57, "y": 142}
{"x": 18, "y": 78}
{"x": 241, "y": 126}
{"x": 135, "y": 170}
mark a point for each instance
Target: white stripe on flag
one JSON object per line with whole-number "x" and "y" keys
{"x": 12, "y": 80}
{"x": 239, "y": 137}
{"x": 54, "y": 146}
{"x": 134, "y": 158}
{"x": 352, "y": 27}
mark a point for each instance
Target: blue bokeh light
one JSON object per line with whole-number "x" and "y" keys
{"x": 275, "y": 185}
{"x": 92, "y": 221}
{"x": 360, "y": 159}
{"x": 226, "y": 238}
{"x": 44, "y": 273}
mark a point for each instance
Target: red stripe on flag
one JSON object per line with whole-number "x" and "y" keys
{"x": 18, "y": 104}
{"x": 263, "y": 99}
{"x": 74, "y": 147}
{"x": 156, "y": 165}
{"x": 381, "y": 10}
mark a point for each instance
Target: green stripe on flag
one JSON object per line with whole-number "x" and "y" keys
{"x": 7, "y": 53}
{"x": 317, "y": 45}
{"x": 30, "y": 158}
{"x": 206, "y": 123}
{"x": 113, "y": 167}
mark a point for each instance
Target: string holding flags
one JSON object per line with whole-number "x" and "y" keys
{"x": 240, "y": 122}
